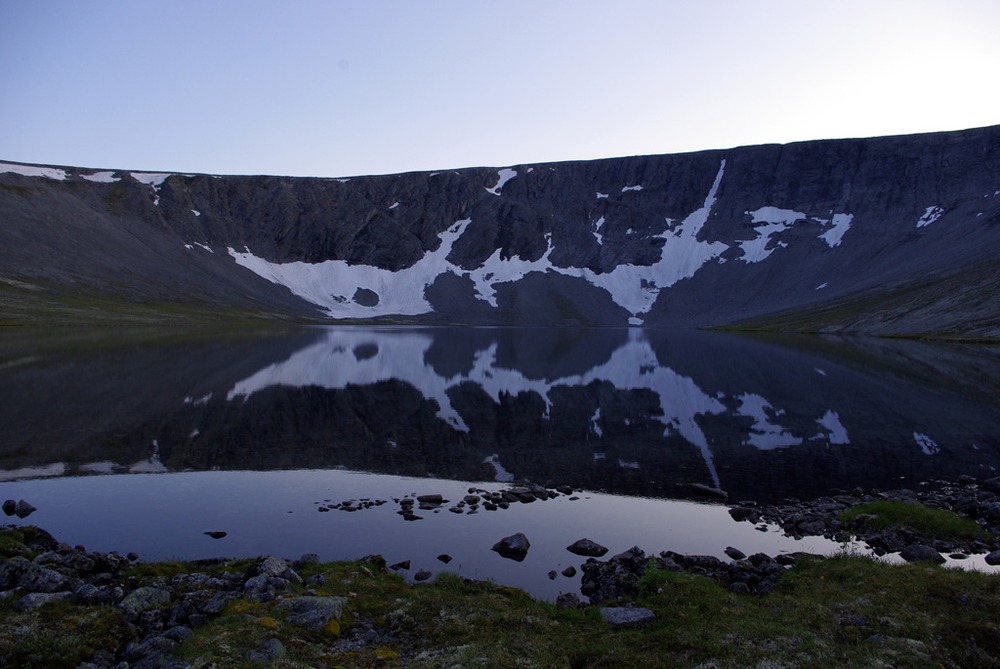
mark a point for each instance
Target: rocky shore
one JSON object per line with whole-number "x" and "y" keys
{"x": 968, "y": 497}
{"x": 154, "y": 613}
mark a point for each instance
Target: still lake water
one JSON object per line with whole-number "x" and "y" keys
{"x": 144, "y": 441}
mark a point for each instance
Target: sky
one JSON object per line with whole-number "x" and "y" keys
{"x": 352, "y": 87}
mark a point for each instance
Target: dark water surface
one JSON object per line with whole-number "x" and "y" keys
{"x": 144, "y": 441}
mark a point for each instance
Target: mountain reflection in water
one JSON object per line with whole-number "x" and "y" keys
{"x": 628, "y": 411}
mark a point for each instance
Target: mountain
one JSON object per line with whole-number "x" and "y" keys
{"x": 891, "y": 235}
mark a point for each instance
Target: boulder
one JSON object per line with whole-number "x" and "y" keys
{"x": 514, "y": 547}
{"x": 34, "y": 600}
{"x": 707, "y": 491}
{"x": 921, "y": 553}
{"x": 587, "y": 548}
{"x": 568, "y": 600}
{"x": 271, "y": 651}
{"x": 735, "y": 553}
{"x": 626, "y": 616}
{"x": 23, "y": 509}
{"x": 143, "y": 599}
{"x": 312, "y": 612}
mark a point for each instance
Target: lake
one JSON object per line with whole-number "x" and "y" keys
{"x": 145, "y": 440}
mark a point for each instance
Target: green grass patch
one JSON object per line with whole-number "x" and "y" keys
{"x": 925, "y": 521}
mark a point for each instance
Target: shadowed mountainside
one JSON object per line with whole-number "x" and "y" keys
{"x": 892, "y": 235}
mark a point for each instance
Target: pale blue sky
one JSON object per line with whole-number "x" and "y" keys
{"x": 340, "y": 88}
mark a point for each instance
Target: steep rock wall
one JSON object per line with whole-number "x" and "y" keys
{"x": 708, "y": 238}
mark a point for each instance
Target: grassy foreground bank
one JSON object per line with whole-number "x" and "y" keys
{"x": 846, "y": 611}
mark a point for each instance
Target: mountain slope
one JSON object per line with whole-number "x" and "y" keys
{"x": 713, "y": 238}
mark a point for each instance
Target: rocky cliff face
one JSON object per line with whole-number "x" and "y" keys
{"x": 829, "y": 229}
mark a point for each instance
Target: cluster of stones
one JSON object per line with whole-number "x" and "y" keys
{"x": 617, "y": 579}
{"x": 160, "y": 612}
{"x": 478, "y": 498}
{"x": 351, "y": 505}
{"x": 972, "y": 498}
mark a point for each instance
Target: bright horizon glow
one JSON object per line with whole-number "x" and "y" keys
{"x": 334, "y": 89}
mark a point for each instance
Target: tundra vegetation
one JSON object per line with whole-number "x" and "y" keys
{"x": 846, "y": 610}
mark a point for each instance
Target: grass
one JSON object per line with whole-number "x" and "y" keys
{"x": 889, "y": 310}
{"x": 925, "y": 521}
{"x": 37, "y": 302}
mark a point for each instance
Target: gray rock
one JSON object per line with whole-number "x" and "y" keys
{"x": 422, "y": 575}
{"x": 88, "y": 593}
{"x": 993, "y": 558}
{"x": 735, "y": 553}
{"x": 307, "y": 559}
{"x": 264, "y": 588}
{"x": 271, "y": 651}
{"x": 568, "y": 600}
{"x": 316, "y": 580}
{"x": 179, "y": 633}
{"x": 587, "y": 548}
{"x": 626, "y": 616}
{"x": 271, "y": 566}
{"x": 9, "y": 506}
{"x": 217, "y": 603}
{"x": 921, "y": 553}
{"x": 569, "y": 572}
{"x": 18, "y": 572}
{"x": 149, "y": 647}
{"x": 23, "y": 509}
{"x": 515, "y": 547}
{"x": 707, "y": 491}
{"x": 34, "y": 600}
{"x": 311, "y": 612}
{"x": 43, "y": 579}
{"x": 143, "y": 599}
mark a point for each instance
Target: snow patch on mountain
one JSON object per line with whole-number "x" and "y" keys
{"x": 101, "y": 177}
{"x": 926, "y": 444}
{"x": 636, "y": 287}
{"x": 597, "y": 230}
{"x": 504, "y": 176}
{"x": 841, "y": 223}
{"x": 775, "y": 220}
{"x": 334, "y": 283}
{"x": 497, "y": 270}
{"x": 32, "y": 171}
{"x": 154, "y": 179}
{"x": 930, "y": 215}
